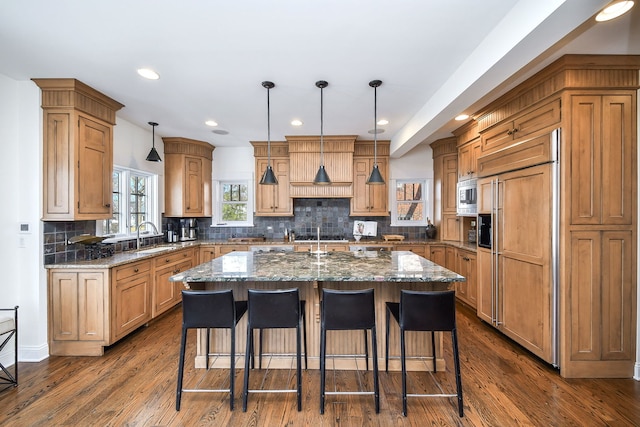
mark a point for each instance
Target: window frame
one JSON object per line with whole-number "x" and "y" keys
{"x": 427, "y": 201}
{"x": 218, "y": 189}
{"x": 152, "y": 204}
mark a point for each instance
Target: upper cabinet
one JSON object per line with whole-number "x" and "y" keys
{"x": 370, "y": 200}
{"x": 187, "y": 175}
{"x": 445, "y": 178}
{"x": 272, "y": 200}
{"x": 78, "y": 150}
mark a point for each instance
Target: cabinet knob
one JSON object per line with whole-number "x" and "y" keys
{"x": 135, "y": 270}
{"x": 167, "y": 260}
{"x": 108, "y": 205}
{"x": 176, "y": 271}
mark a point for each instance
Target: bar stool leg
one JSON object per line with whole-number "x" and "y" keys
{"x": 456, "y": 361}
{"x": 183, "y": 343}
{"x": 366, "y": 349}
{"x": 232, "y": 367}
{"x": 433, "y": 349}
{"x": 323, "y": 361}
{"x": 376, "y": 388}
{"x": 404, "y": 373}
{"x": 248, "y": 353}
{"x": 386, "y": 347}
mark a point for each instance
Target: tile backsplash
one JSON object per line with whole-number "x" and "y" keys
{"x": 331, "y": 215}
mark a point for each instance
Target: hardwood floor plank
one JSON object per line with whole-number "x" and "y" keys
{"x": 134, "y": 383}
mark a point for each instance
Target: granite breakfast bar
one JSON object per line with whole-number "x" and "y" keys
{"x": 386, "y": 272}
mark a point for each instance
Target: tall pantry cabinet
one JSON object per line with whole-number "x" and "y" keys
{"x": 593, "y": 101}
{"x": 78, "y": 150}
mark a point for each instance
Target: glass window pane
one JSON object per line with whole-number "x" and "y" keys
{"x": 410, "y": 211}
{"x": 408, "y": 191}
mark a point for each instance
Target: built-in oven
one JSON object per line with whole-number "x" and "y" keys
{"x": 467, "y": 198}
{"x": 485, "y": 239}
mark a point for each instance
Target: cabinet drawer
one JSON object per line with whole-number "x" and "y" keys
{"x": 132, "y": 269}
{"x": 173, "y": 258}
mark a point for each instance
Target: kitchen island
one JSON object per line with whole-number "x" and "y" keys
{"x": 386, "y": 272}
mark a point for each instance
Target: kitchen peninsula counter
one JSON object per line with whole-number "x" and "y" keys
{"x": 386, "y": 272}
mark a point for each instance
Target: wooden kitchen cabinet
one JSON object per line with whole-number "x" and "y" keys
{"x": 535, "y": 119}
{"x": 445, "y": 180}
{"x": 132, "y": 294}
{"x": 273, "y": 200}
{"x": 78, "y": 150}
{"x": 187, "y": 169}
{"x": 207, "y": 253}
{"x": 167, "y": 294}
{"x": 438, "y": 254}
{"x": 369, "y": 200}
{"x": 601, "y": 184}
{"x": 78, "y": 312}
{"x": 468, "y": 159}
{"x": 421, "y": 250}
{"x": 466, "y": 266}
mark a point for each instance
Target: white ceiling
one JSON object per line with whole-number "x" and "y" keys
{"x": 435, "y": 58}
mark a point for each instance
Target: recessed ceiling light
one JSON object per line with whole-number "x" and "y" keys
{"x": 220, "y": 132}
{"x": 148, "y": 73}
{"x": 614, "y": 10}
{"x": 296, "y": 122}
{"x": 375, "y": 131}
{"x": 462, "y": 117}
{"x": 212, "y": 123}
{"x": 383, "y": 122}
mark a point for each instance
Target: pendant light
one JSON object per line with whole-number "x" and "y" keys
{"x": 375, "y": 178}
{"x": 322, "y": 178}
{"x": 268, "y": 177}
{"x": 153, "y": 155}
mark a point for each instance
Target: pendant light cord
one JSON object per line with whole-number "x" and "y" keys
{"x": 321, "y": 127}
{"x": 268, "y": 129}
{"x": 375, "y": 126}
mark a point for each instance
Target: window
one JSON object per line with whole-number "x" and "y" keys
{"x": 412, "y": 202}
{"x": 234, "y": 207}
{"x": 134, "y": 202}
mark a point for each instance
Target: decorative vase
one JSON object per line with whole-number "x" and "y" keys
{"x": 431, "y": 230}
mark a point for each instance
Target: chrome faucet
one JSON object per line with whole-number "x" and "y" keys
{"x": 155, "y": 229}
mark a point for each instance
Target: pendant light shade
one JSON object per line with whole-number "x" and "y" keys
{"x": 376, "y": 177}
{"x": 268, "y": 177}
{"x": 153, "y": 155}
{"x": 322, "y": 178}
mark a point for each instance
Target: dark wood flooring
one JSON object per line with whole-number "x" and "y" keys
{"x": 133, "y": 384}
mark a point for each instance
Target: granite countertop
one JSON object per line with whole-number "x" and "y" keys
{"x": 127, "y": 257}
{"x": 391, "y": 266}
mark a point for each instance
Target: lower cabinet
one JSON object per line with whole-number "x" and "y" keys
{"x": 466, "y": 266}
{"x": 78, "y": 312}
{"x": 93, "y": 308}
{"x": 132, "y": 294}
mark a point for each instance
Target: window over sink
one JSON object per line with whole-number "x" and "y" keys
{"x": 411, "y": 202}
{"x": 135, "y": 200}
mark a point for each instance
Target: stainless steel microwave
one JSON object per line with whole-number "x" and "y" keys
{"x": 467, "y": 198}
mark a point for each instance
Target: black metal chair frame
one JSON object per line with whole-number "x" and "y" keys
{"x": 273, "y": 309}
{"x": 303, "y": 320}
{"x": 7, "y": 378}
{"x": 210, "y": 310}
{"x": 425, "y": 311}
{"x": 348, "y": 310}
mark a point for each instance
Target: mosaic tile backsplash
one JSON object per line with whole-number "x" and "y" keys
{"x": 331, "y": 215}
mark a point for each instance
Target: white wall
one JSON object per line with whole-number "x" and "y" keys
{"x": 417, "y": 163}
{"x": 24, "y": 280}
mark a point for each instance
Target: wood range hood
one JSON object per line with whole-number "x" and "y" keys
{"x": 304, "y": 161}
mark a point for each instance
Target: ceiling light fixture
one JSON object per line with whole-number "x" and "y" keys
{"x": 148, "y": 73}
{"x": 211, "y": 123}
{"x": 322, "y": 178}
{"x": 268, "y": 177}
{"x": 296, "y": 122}
{"x": 383, "y": 122}
{"x": 375, "y": 178}
{"x": 153, "y": 155}
{"x": 614, "y": 10}
{"x": 462, "y": 117}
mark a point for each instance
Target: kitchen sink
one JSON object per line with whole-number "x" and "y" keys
{"x": 154, "y": 250}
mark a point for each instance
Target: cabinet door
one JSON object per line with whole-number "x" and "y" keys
{"x": 132, "y": 304}
{"x": 438, "y": 255}
{"x": 193, "y": 191}
{"x": 466, "y": 266}
{"x": 449, "y": 182}
{"x": 58, "y": 172}
{"x": 207, "y": 253}
{"x": 273, "y": 200}
{"x": 95, "y": 166}
{"x": 603, "y": 159}
{"x": 378, "y": 194}
{"x": 485, "y": 304}
{"x": 64, "y": 306}
{"x": 165, "y": 292}
{"x": 450, "y": 227}
{"x": 467, "y": 159}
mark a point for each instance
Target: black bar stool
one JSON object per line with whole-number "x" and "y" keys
{"x": 348, "y": 310}
{"x": 273, "y": 309}
{"x": 210, "y": 309}
{"x": 8, "y": 329}
{"x": 303, "y": 319}
{"x": 425, "y": 311}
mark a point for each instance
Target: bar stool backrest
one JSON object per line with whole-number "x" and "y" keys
{"x": 347, "y": 310}
{"x": 208, "y": 309}
{"x": 427, "y": 311}
{"x": 274, "y": 308}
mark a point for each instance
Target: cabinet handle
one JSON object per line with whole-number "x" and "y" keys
{"x": 135, "y": 270}
{"x": 509, "y": 132}
{"x": 167, "y": 260}
{"x": 466, "y": 258}
{"x": 515, "y": 130}
{"x": 108, "y": 205}
{"x": 176, "y": 271}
